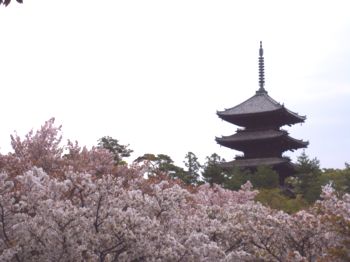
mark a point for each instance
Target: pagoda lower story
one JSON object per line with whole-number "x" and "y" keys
{"x": 262, "y": 147}
{"x": 282, "y": 165}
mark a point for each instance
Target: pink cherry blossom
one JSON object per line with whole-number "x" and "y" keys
{"x": 68, "y": 203}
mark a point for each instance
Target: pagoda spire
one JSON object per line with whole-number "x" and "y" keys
{"x": 261, "y": 71}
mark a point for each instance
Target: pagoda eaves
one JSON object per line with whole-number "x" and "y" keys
{"x": 260, "y": 110}
{"x": 243, "y": 140}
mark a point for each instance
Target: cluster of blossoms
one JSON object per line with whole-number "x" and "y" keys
{"x": 79, "y": 207}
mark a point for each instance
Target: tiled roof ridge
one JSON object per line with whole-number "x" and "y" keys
{"x": 274, "y": 104}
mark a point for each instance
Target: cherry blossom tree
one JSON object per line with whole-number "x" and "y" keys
{"x": 68, "y": 203}
{"x": 44, "y": 148}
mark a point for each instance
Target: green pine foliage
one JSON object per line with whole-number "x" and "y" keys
{"x": 340, "y": 178}
{"x": 301, "y": 191}
{"x": 275, "y": 198}
{"x": 112, "y": 145}
{"x": 236, "y": 178}
{"x": 162, "y": 164}
{"x": 213, "y": 173}
{"x": 308, "y": 178}
{"x": 192, "y": 174}
{"x": 263, "y": 177}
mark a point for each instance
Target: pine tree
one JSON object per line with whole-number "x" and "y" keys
{"x": 213, "y": 172}
{"x": 193, "y": 168}
{"x": 119, "y": 151}
{"x": 309, "y": 177}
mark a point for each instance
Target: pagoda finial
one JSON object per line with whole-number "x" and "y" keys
{"x": 261, "y": 71}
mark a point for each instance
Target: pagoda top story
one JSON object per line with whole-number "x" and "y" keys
{"x": 259, "y": 106}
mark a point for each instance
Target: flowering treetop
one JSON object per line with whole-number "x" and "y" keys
{"x": 72, "y": 204}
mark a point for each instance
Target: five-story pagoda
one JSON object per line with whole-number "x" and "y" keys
{"x": 261, "y": 138}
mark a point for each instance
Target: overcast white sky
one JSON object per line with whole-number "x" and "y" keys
{"x": 153, "y": 73}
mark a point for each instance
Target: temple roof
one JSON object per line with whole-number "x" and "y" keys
{"x": 255, "y": 162}
{"x": 244, "y": 135}
{"x": 253, "y": 135}
{"x": 258, "y": 103}
{"x": 260, "y": 110}
{"x": 261, "y": 102}
{"x": 243, "y": 140}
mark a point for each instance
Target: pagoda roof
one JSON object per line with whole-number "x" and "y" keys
{"x": 259, "y": 104}
{"x": 241, "y": 139}
{"x": 244, "y": 135}
{"x": 255, "y": 162}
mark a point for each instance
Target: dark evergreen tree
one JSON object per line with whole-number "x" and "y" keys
{"x": 340, "y": 178}
{"x": 265, "y": 177}
{"x": 307, "y": 165}
{"x": 346, "y": 174}
{"x": 161, "y": 164}
{"x": 193, "y": 168}
{"x": 213, "y": 172}
{"x": 308, "y": 177}
{"x": 119, "y": 151}
{"x": 166, "y": 164}
{"x": 236, "y": 178}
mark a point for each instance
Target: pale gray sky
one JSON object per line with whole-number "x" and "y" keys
{"x": 154, "y": 73}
